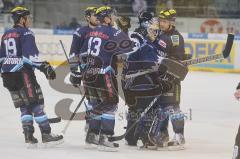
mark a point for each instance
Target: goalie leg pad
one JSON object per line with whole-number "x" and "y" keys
{"x": 131, "y": 137}
{"x": 158, "y": 133}
{"x": 177, "y": 119}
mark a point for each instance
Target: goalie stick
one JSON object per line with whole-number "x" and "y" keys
{"x": 225, "y": 54}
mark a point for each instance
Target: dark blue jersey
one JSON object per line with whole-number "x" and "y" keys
{"x": 144, "y": 58}
{"x": 170, "y": 44}
{"x": 103, "y": 43}
{"x": 79, "y": 36}
{"x": 18, "y": 47}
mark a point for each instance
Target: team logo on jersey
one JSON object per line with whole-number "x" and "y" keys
{"x": 162, "y": 43}
{"x": 175, "y": 40}
{"x": 29, "y": 33}
{"x": 118, "y": 32}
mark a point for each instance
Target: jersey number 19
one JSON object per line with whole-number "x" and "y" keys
{"x": 10, "y": 46}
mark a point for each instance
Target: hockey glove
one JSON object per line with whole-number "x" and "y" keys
{"x": 163, "y": 75}
{"x": 48, "y": 70}
{"x": 75, "y": 78}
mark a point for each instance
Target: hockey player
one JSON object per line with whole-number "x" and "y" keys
{"x": 138, "y": 36}
{"x": 170, "y": 44}
{"x": 103, "y": 43}
{"x": 236, "y": 152}
{"x": 18, "y": 56}
{"x": 79, "y": 37}
{"x": 151, "y": 83}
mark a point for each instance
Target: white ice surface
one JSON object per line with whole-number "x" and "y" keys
{"x": 210, "y": 135}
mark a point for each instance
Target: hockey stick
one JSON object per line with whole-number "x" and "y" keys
{"x": 79, "y": 104}
{"x": 70, "y": 70}
{"x": 73, "y": 115}
{"x": 225, "y": 54}
{"x": 54, "y": 120}
{"x": 116, "y": 138}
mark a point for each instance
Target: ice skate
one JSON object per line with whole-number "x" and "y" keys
{"x": 105, "y": 145}
{"x": 51, "y": 140}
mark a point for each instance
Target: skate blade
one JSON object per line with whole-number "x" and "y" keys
{"x": 176, "y": 148}
{"x": 89, "y": 146}
{"x": 53, "y": 143}
{"x": 148, "y": 148}
{"x": 107, "y": 149}
{"x": 31, "y": 146}
{"x": 163, "y": 147}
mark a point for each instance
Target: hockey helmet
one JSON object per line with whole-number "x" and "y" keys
{"x": 168, "y": 14}
{"x": 144, "y": 16}
{"x": 19, "y": 12}
{"x": 90, "y": 10}
{"x": 104, "y": 11}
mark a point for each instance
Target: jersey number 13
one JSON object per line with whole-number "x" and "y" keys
{"x": 94, "y": 44}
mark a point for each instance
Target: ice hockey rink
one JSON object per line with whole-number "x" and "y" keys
{"x": 209, "y": 135}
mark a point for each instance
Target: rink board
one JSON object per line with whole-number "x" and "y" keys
{"x": 197, "y": 44}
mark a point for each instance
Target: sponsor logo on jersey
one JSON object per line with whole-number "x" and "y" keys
{"x": 98, "y": 34}
{"x": 162, "y": 43}
{"x": 175, "y": 40}
{"x": 12, "y": 61}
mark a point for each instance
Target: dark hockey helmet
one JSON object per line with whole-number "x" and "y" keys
{"x": 19, "y": 12}
{"x": 104, "y": 11}
{"x": 169, "y": 14}
{"x": 144, "y": 16}
{"x": 90, "y": 10}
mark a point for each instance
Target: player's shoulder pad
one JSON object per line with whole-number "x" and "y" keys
{"x": 77, "y": 32}
{"x": 81, "y": 30}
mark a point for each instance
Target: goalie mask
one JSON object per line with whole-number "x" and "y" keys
{"x": 152, "y": 27}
